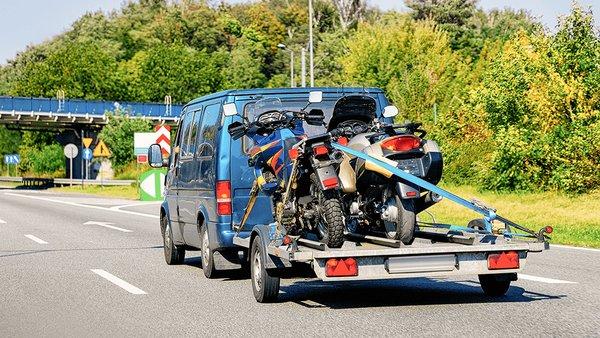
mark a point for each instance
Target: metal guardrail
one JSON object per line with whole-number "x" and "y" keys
{"x": 67, "y": 181}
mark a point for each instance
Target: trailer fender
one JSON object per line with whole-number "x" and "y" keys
{"x": 262, "y": 233}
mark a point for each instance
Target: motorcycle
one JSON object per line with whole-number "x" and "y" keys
{"x": 374, "y": 199}
{"x": 298, "y": 172}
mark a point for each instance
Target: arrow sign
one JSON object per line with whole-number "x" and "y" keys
{"x": 163, "y": 138}
{"x": 106, "y": 225}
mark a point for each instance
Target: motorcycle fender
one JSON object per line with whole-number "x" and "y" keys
{"x": 407, "y": 191}
{"x": 326, "y": 173}
{"x": 347, "y": 175}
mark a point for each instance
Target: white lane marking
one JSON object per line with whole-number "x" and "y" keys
{"x": 106, "y": 225}
{"x": 573, "y": 248}
{"x": 83, "y": 205}
{"x": 2, "y": 221}
{"x": 118, "y": 207}
{"x": 119, "y": 282}
{"x": 35, "y": 239}
{"x": 544, "y": 279}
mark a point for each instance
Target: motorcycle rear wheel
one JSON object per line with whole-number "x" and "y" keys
{"x": 404, "y": 227}
{"x": 330, "y": 223}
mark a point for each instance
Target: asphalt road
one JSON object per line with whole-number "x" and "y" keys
{"x": 62, "y": 277}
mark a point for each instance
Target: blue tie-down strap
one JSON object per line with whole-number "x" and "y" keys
{"x": 488, "y": 215}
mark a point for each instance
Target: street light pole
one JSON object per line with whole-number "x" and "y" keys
{"x": 284, "y": 47}
{"x": 311, "y": 47}
{"x": 303, "y": 55}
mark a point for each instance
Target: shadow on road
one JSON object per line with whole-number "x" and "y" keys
{"x": 417, "y": 291}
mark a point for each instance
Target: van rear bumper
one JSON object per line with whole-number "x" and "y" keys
{"x": 221, "y": 235}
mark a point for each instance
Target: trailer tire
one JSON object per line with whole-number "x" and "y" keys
{"x": 207, "y": 255}
{"x": 493, "y": 285}
{"x": 173, "y": 254}
{"x": 264, "y": 286}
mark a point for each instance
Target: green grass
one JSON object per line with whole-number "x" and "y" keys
{"x": 127, "y": 192}
{"x": 575, "y": 219}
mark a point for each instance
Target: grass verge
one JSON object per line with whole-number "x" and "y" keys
{"x": 127, "y": 192}
{"x": 575, "y": 219}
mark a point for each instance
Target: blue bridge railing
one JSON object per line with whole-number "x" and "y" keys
{"x": 74, "y": 106}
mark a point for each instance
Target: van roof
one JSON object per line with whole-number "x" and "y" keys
{"x": 284, "y": 91}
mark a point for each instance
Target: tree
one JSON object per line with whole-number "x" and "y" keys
{"x": 118, "y": 135}
{"x": 350, "y": 11}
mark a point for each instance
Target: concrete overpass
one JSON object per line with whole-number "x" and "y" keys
{"x": 51, "y": 113}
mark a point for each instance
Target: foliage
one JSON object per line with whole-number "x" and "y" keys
{"x": 49, "y": 160}
{"x": 118, "y": 136}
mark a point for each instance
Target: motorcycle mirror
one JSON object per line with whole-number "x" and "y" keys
{"x": 315, "y": 97}
{"x": 390, "y": 111}
{"x": 229, "y": 109}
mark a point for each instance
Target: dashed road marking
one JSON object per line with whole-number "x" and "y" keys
{"x": 544, "y": 279}
{"x": 106, "y": 225}
{"x": 2, "y": 221}
{"x": 35, "y": 239}
{"x": 119, "y": 282}
{"x": 83, "y": 205}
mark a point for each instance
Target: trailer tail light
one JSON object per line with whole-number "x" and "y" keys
{"x": 401, "y": 143}
{"x": 503, "y": 260}
{"x": 223, "y": 192}
{"x": 341, "y": 267}
{"x": 330, "y": 183}
{"x": 320, "y": 149}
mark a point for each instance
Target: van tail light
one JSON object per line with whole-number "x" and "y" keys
{"x": 320, "y": 149}
{"x": 341, "y": 267}
{"x": 223, "y": 193}
{"x": 401, "y": 143}
{"x": 503, "y": 260}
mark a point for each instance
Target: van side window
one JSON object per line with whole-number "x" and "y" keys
{"x": 185, "y": 135}
{"x": 194, "y": 130}
{"x": 210, "y": 127}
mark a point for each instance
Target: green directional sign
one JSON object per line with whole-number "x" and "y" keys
{"x": 152, "y": 185}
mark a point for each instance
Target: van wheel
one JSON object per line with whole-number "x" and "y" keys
{"x": 208, "y": 258}
{"x": 264, "y": 286}
{"x": 173, "y": 254}
{"x": 494, "y": 285}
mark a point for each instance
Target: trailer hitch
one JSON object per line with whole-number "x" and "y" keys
{"x": 489, "y": 213}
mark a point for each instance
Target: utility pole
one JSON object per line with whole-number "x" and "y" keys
{"x": 311, "y": 47}
{"x": 303, "y": 55}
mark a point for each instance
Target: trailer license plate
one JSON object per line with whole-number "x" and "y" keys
{"x": 429, "y": 263}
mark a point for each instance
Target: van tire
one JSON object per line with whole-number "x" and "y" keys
{"x": 207, "y": 255}
{"x": 173, "y": 254}
{"x": 264, "y": 286}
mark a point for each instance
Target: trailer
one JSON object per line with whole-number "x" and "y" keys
{"x": 493, "y": 248}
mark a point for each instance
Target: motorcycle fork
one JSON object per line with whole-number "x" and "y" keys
{"x": 250, "y": 205}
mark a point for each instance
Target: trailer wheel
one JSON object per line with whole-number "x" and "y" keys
{"x": 208, "y": 259}
{"x": 173, "y": 254}
{"x": 403, "y": 228}
{"x": 264, "y": 286}
{"x": 494, "y": 285}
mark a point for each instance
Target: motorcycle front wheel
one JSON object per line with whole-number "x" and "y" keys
{"x": 403, "y": 228}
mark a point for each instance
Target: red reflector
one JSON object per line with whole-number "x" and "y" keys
{"x": 548, "y": 229}
{"x": 343, "y": 140}
{"x": 293, "y": 153}
{"x": 401, "y": 143}
{"x": 411, "y": 193}
{"x": 320, "y": 150}
{"x": 287, "y": 240}
{"x": 503, "y": 260}
{"x": 342, "y": 267}
{"x": 223, "y": 192}
{"x": 330, "y": 183}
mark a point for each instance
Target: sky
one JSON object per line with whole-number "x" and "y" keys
{"x": 26, "y": 22}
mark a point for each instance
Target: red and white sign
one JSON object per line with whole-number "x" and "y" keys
{"x": 142, "y": 159}
{"x": 163, "y": 138}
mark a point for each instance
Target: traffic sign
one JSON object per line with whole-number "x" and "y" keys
{"x": 152, "y": 185}
{"x": 87, "y": 154}
{"x": 163, "y": 138}
{"x": 101, "y": 150}
{"x": 12, "y": 159}
{"x": 87, "y": 141}
{"x": 71, "y": 151}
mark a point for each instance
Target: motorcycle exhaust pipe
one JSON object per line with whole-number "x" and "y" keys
{"x": 426, "y": 201}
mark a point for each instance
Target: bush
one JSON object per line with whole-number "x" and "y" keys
{"x": 48, "y": 161}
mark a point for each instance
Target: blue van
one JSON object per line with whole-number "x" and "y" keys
{"x": 209, "y": 180}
